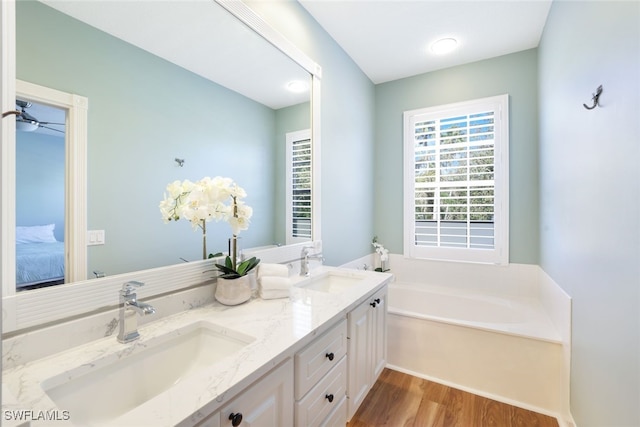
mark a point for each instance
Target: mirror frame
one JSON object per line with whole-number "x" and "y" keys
{"x": 39, "y": 307}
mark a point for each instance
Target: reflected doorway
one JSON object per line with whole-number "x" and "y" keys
{"x": 40, "y": 195}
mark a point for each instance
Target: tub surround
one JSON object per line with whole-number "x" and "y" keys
{"x": 525, "y": 282}
{"x": 517, "y": 316}
{"x": 558, "y": 305}
{"x": 280, "y": 327}
{"x": 522, "y": 359}
{"x": 519, "y": 371}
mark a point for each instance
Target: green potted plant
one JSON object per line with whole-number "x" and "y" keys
{"x": 229, "y": 272}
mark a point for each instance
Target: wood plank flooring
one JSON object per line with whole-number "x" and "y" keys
{"x": 401, "y": 400}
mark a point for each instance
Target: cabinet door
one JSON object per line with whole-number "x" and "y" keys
{"x": 269, "y": 402}
{"x": 359, "y": 366}
{"x": 379, "y": 334}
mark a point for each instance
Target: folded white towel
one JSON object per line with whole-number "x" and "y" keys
{"x": 274, "y": 283}
{"x": 274, "y": 293}
{"x": 279, "y": 270}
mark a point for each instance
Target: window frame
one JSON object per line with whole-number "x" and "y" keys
{"x": 500, "y": 252}
{"x": 290, "y": 139}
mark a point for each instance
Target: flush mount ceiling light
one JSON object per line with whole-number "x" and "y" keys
{"x": 25, "y": 122}
{"x": 445, "y": 45}
{"x": 297, "y": 86}
{"x": 26, "y": 126}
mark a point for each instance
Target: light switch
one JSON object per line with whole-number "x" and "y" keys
{"x": 95, "y": 237}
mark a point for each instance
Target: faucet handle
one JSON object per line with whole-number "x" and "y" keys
{"x": 129, "y": 287}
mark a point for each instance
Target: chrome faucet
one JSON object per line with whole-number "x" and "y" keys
{"x": 130, "y": 308}
{"x": 304, "y": 260}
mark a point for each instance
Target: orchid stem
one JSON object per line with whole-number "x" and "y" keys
{"x": 204, "y": 239}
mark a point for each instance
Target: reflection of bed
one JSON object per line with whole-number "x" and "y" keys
{"x": 38, "y": 263}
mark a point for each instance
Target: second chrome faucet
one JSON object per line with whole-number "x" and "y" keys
{"x": 305, "y": 256}
{"x": 130, "y": 308}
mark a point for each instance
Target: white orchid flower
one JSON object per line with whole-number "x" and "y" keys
{"x": 208, "y": 199}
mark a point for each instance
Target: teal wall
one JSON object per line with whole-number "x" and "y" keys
{"x": 570, "y": 169}
{"x": 131, "y": 95}
{"x": 144, "y": 112}
{"x": 347, "y": 127}
{"x": 590, "y": 198}
{"x": 514, "y": 74}
{"x": 40, "y": 181}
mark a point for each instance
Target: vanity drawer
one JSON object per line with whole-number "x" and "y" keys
{"x": 323, "y": 399}
{"x": 314, "y": 361}
{"x": 338, "y": 417}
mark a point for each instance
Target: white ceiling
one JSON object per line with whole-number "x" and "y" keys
{"x": 200, "y": 36}
{"x": 390, "y": 39}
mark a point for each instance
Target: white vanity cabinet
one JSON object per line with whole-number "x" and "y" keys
{"x": 367, "y": 332}
{"x": 379, "y": 334}
{"x": 321, "y": 380}
{"x": 326, "y": 381}
{"x": 265, "y": 403}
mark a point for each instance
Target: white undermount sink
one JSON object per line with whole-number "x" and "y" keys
{"x": 114, "y": 386}
{"x": 332, "y": 281}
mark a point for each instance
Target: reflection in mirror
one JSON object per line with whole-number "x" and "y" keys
{"x": 146, "y": 111}
{"x": 40, "y": 166}
{"x": 298, "y": 187}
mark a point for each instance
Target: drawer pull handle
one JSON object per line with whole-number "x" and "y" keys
{"x": 329, "y": 356}
{"x": 375, "y": 301}
{"x": 329, "y": 397}
{"x": 236, "y": 419}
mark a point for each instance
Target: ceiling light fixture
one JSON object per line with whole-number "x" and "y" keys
{"x": 442, "y": 46}
{"x": 297, "y": 86}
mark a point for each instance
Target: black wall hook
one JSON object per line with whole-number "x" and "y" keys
{"x": 595, "y": 98}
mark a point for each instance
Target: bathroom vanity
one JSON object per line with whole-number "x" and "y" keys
{"x": 306, "y": 360}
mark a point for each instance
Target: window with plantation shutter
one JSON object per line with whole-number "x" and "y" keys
{"x": 456, "y": 181}
{"x": 298, "y": 211}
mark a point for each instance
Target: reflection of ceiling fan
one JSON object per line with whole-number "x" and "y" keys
{"x": 27, "y": 123}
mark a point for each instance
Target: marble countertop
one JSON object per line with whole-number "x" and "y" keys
{"x": 281, "y": 327}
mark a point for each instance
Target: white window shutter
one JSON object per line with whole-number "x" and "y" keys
{"x": 455, "y": 164}
{"x": 298, "y": 186}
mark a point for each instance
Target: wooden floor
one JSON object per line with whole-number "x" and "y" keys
{"x": 399, "y": 400}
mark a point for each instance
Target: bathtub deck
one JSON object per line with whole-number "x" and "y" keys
{"x": 537, "y": 326}
{"x": 532, "y": 320}
{"x": 398, "y": 399}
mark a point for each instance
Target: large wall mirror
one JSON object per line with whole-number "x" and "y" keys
{"x": 202, "y": 82}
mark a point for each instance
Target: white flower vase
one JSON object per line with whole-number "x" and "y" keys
{"x": 233, "y": 291}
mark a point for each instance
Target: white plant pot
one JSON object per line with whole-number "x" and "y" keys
{"x": 233, "y": 291}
